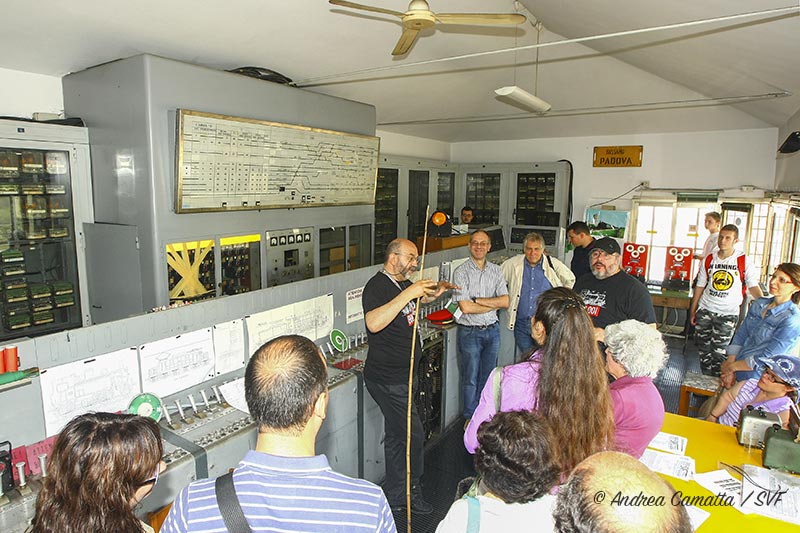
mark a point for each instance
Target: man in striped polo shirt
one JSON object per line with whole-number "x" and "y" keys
{"x": 282, "y": 485}
{"x": 482, "y": 292}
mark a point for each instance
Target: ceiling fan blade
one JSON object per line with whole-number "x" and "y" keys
{"x": 480, "y": 18}
{"x": 366, "y": 8}
{"x": 406, "y": 40}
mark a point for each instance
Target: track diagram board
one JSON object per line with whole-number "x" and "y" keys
{"x": 230, "y": 163}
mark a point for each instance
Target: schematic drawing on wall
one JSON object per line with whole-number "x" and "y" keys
{"x": 232, "y": 163}
{"x": 171, "y": 365}
{"x": 311, "y": 318}
{"x": 104, "y": 383}
{"x": 229, "y": 346}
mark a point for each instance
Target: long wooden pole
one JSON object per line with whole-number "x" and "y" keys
{"x": 411, "y": 375}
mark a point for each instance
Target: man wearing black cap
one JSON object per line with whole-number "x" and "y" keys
{"x": 610, "y": 294}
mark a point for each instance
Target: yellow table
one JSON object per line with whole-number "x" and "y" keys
{"x": 708, "y": 444}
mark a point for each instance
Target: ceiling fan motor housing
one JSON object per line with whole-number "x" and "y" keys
{"x": 419, "y": 20}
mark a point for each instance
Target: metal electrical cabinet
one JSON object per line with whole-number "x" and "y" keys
{"x": 45, "y": 198}
{"x": 132, "y": 108}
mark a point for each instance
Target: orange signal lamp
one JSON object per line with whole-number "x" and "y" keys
{"x": 439, "y": 224}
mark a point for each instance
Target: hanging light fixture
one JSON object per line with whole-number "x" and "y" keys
{"x": 519, "y": 97}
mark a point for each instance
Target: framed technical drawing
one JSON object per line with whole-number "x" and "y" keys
{"x": 231, "y": 163}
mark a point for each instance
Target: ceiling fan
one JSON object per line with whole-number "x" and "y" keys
{"x": 419, "y": 17}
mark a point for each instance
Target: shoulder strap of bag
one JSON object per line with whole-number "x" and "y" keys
{"x": 497, "y": 383}
{"x": 229, "y": 506}
{"x": 740, "y": 263}
{"x": 474, "y": 514}
{"x": 550, "y": 262}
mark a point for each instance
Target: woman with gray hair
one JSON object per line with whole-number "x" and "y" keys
{"x": 635, "y": 352}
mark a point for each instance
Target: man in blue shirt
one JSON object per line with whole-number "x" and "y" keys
{"x": 528, "y": 276}
{"x": 282, "y": 485}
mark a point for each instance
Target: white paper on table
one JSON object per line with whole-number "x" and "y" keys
{"x": 679, "y": 466}
{"x": 229, "y": 353}
{"x": 720, "y": 482}
{"x": 171, "y": 365}
{"x": 696, "y": 516}
{"x": 667, "y": 442}
{"x": 106, "y": 382}
{"x": 353, "y": 307}
{"x": 233, "y": 393}
{"x": 771, "y": 493}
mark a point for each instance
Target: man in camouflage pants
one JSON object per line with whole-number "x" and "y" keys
{"x": 717, "y": 297}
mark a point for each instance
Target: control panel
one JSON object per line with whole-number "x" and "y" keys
{"x": 190, "y": 271}
{"x": 290, "y": 255}
{"x": 240, "y": 264}
{"x": 634, "y": 259}
{"x": 677, "y": 268}
{"x": 553, "y": 239}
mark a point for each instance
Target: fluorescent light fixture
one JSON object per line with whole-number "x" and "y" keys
{"x": 523, "y": 99}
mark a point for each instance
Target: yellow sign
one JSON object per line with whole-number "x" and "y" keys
{"x": 617, "y": 156}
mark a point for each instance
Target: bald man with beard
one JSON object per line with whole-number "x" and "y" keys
{"x": 619, "y": 478}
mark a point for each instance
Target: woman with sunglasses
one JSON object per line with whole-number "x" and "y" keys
{"x": 774, "y": 392}
{"x": 101, "y": 466}
{"x": 771, "y": 327}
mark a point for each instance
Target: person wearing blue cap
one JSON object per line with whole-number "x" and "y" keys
{"x": 774, "y": 392}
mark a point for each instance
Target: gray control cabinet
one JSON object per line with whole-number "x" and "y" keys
{"x": 130, "y": 106}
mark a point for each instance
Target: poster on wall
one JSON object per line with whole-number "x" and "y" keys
{"x": 607, "y": 222}
{"x": 604, "y": 223}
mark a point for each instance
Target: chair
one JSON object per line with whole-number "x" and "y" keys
{"x": 156, "y": 519}
{"x": 694, "y": 383}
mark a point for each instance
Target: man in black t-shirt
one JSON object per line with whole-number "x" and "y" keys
{"x": 610, "y": 294}
{"x": 389, "y": 300}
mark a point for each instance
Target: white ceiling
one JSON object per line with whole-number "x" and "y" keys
{"x": 587, "y": 84}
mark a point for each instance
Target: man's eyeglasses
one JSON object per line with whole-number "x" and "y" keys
{"x": 413, "y": 258}
{"x": 481, "y": 244}
{"x": 597, "y": 252}
{"x": 772, "y": 377}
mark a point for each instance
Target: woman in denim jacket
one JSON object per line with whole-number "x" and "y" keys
{"x": 771, "y": 327}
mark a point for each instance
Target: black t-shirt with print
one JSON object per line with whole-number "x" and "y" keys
{"x": 615, "y": 299}
{"x": 389, "y": 349}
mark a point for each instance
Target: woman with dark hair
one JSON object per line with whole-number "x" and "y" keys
{"x": 517, "y": 470}
{"x": 771, "y": 327}
{"x": 102, "y": 465}
{"x": 564, "y": 380}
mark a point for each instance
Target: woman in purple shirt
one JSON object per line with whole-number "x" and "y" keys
{"x": 774, "y": 391}
{"x": 564, "y": 381}
{"x": 635, "y": 353}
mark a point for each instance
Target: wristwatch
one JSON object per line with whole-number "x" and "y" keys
{"x": 474, "y": 299}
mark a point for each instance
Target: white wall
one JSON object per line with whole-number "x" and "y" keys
{"x": 717, "y": 159}
{"x": 23, "y": 93}
{"x": 787, "y": 173}
{"x": 417, "y": 147}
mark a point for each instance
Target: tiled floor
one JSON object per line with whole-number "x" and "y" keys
{"x": 447, "y": 462}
